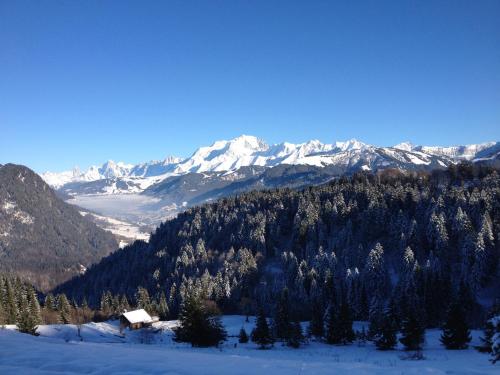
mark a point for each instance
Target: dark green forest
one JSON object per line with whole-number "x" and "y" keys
{"x": 410, "y": 242}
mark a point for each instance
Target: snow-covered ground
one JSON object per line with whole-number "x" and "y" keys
{"x": 99, "y": 348}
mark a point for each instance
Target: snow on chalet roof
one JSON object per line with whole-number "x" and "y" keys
{"x": 138, "y": 316}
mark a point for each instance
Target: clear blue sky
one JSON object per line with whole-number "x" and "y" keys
{"x": 85, "y": 81}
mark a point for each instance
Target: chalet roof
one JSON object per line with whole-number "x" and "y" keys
{"x": 138, "y": 316}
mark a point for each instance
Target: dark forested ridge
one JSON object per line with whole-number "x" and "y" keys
{"x": 411, "y": 242}
{"x": 43, "y": 239}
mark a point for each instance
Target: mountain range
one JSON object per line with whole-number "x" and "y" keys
{"x": 148, "y": 193}
{"x": 229, "y": 156}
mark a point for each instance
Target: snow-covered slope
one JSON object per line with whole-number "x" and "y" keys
{"x": 99, "y": 348}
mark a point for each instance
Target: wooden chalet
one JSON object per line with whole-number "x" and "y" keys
{"x": 136, "y": 319}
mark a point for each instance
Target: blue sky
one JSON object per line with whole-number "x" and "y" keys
{"x": 86, "y": 81}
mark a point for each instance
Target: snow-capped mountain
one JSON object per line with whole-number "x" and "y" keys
{"x": 111, "y": 170}
{"x": 230, "y": 155}
{"x": 467, "y": 152}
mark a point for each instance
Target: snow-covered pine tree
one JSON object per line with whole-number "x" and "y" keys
{"x": 64, "y": 309}
{"x": 27, "y": 320}
{"x": 495, "y": 340}
{"x": 489, "y": 329}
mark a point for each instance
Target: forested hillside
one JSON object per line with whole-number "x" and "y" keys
{"x": 43, "y": 239}
{"x": 408, "y": 241}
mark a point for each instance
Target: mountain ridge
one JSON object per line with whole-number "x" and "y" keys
{"x": 231, "y": 155}
{"x": 43, "y": 238}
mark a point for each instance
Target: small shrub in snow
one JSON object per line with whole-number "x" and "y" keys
{"x": 413, "y": 356}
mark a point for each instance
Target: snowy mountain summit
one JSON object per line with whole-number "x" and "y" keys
{"x": 244, "y": 151}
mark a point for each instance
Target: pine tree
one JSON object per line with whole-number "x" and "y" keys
{"x": 34, "y": 305}
{"x": 413, "y": 331}
{"x": 495, "y": 341}
{"x": 346, "y": 332}
{"x": 317, "y": 324}
{"x": 489, "y": 329}
{"x": 197, "y": 326}
{"x": 49, "y": 303}
{"x": 296, "y": 337}
{"x": 332, "y": 333}
{"x": 11, "y": 309}
{"x": 282, "y": 326}
{"x": 456, "y": 333}
{"x": 261, "y": 334}
{"x": 386, "y": 337}
{"x": 142, "y": 299}
{"x": 27, "y": 322}
{"x": 64, "y": 309}
{"x": 163, "y": 312}
{"x": 242, "y": 337}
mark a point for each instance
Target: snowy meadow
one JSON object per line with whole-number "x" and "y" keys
{"x": 100, "y": 348}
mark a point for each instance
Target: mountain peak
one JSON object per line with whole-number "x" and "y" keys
{"x": 351, "y": 144}
{"x": 405, "y": 146}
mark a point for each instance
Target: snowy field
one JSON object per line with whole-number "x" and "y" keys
{"x": 99, "y": 348}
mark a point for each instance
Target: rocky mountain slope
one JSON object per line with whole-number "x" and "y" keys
{"x": 43, "y": 238}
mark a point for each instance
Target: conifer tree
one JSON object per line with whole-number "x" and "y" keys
{"x": 296, "y": 337}
{"x": 456, "y": 333}
{"x": 34, "y": 305}
{"x": 49, "y": 303}
{"x": 163, "y": 312}
{"x": 489, "y": 329}
{"x": 142, "y": 299}
{"x": 413, "y": 331}
{"x": 64, "y": 309}
{"x": 346, "y": 332}
{"x": 242, "y": 337}
{"x": 26, "y": 321}
{"x": 282, "y": 325}
{"x": 386, "y": 337}
{"x": 331, "y": 331}
{"x": 317, "y": 324}
{"x": 261, "y": 334}
{"x": 11, "y": 309}
{"x": 197, "y": 326}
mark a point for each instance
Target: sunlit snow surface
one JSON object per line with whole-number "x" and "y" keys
{"x": 60, "y": 350}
